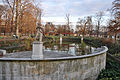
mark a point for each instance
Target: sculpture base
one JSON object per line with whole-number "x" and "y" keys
{"x": 37, "y": 51}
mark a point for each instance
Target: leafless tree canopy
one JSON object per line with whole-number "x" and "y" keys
{"x": 20, "y": 14}
{"x": 99, "y": 19}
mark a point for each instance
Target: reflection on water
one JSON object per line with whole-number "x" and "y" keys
{"x": 75, "y": 49}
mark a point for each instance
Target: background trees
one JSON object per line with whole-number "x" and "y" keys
{"x": 3, "y": 13}
{"x": 114, "y": 24}
{"x": 85, "y": 26}
{"x": 116, "y": 9}
{"x": 68, "y": 27}
{"x": 98, "y": 19}
{"x": 21, "y": 16}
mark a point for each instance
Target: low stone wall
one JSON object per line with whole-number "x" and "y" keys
{"x": 86, "y": 67}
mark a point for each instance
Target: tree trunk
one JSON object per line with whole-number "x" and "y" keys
{"x": 0, "y": 24}
{"x": 98, "y": 26}
{"x": 12, "y": 25}
{"x": 17, "y": 19}
{"x": 115, "y": 37}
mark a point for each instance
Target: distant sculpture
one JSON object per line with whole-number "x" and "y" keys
{"x": 39, "y": 34}
{"x": 60, "y": 38}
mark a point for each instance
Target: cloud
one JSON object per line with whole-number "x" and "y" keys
{"x": 55, "y": 10}
{"x": 54, "y": 7}
{"x": 90, "y": 7}
{"x": 51, "y": 6}
{"x": 59, "y": 8}
{"x": 1, "y": 2}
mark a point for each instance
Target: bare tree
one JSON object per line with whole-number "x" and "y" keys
{"x": 2, "y": 8}
{"x": 98, "y": 19}
{"x": 80, "y": 26}
{"x": 116, "y": 9}
{"x": 68, "y": 21}
{"x": 11, "y": 4}
{"x": 114, "y": 24}
{"x": 113, "y": 28}
{"x": 3, "y": 11}
{"x": 84, "y": 26}
{"x": 18, "y": 9}
{"x": 89, "y": 25}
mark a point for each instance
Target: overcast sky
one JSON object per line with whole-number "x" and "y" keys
{"x": 55, "y": 10}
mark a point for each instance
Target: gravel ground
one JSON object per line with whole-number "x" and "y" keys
{"x": 28, "y": 54}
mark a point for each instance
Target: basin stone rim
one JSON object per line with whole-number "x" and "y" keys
{"x": 56, "y": 59}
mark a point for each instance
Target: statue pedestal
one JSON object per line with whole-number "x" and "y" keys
{"x": 60, "y": 39}
{"x": 82, "y": 38}
{"x": 37, "y": 51}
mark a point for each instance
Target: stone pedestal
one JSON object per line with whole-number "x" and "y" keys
{"x": 82, "y": 38}
{"x": 60, "y": 39}
{"x": 2, "y": 52}
{"x": 37, "y": 51}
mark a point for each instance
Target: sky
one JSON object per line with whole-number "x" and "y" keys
{"x": 0, "y": 1}
{"x": 55, "y": 10}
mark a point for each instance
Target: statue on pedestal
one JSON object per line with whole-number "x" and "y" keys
{"x": 38, "y": 45}
{"x": 39, "y": 34}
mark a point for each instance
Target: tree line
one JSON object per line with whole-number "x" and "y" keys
{"x": 85, "y": 26}
{"x": 19, "y": 17}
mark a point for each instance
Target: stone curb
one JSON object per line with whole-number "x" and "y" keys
{"x": 105, "y": 49}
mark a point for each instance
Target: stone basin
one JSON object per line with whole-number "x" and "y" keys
{"x": 53, "y": 66}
